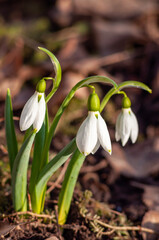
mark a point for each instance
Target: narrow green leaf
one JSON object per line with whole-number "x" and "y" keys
{"x": 69, "y": 185}
{"x": 47, "y": 172}
{"x": 37, "y": 163}
{"x": 134, "y": 84}
{"x": 58, "y": 72}
{"x": 19, "y": 175}
{"x": 27, "y": 133}
{"x": 10, "y": 131}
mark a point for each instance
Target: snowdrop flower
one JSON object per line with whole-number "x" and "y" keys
{"x": 126, "y": 125}
{"x": 93, "y": 132}
{"x": 33, "y": 112}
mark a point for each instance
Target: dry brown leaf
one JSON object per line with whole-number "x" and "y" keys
{"x": 15, "y": 83}
{"x": 151, "y": 221}
{"x": 51, "y": 238}
{"x": 5, "y": 228}
{"x": 138, "y": 161}
{"x": 106, "y": 8}
{"x": 68, "y": 82}
{"x": 111, "y": 37}
{"x": 150, "y": 195}
{"x": 94, "y": 64}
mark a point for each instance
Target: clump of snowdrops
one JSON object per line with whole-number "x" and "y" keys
{"x": 93, "y": 132}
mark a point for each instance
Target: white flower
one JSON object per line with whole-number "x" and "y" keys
{"x": 92, "y": 133}
{"x": 33, "y": 112}
{"x": 126, "y": 126}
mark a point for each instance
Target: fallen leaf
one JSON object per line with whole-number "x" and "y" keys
{"x": 151, "y": 221}
{"x": 112, "y": 37}
{"x": 5, "y": 228}
{"x": 139, "y": 160}
{"x": 150, "y": 195}
{"x": 51, "y": 238}
{"x": 106, "y": 8}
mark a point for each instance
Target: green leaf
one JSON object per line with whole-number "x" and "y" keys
{"x": 69, "y": 185}
{"x": 47, "y": 172}
{"x": 37, "y": 163}
{"x": 10, "y": 131}
{"x": 58, "y": 72}
{"x": 134, "y": 84}
{"x": 19, "y": 175}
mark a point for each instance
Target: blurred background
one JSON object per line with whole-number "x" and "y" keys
{"x": 118, "y": 39}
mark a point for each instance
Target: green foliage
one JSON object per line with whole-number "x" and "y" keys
{"x": 19, "y": 175}
{"x": 42, "y": 169}
{"x": 12, "y": 145}
{"x": 68, "y": 185}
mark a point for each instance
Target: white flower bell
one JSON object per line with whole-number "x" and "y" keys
{"x": 126, "y": 125}
{"x": 93, "y": 132}
{"x": 33, "y": 112}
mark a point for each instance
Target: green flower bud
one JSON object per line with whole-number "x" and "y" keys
{"x": 126, "y": 103}
{"x": 41, "y": 86}
{"x": 93, "y": 102}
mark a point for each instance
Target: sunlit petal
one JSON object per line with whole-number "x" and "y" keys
{"x": 103, "y": 134}
{"x": 96, "y": 147}
{"x": 125, "y": 126}
{"x": 86, "y": 138}
{"x": 135, "y": 128}
{"x": 40, "y": 113}
{"x": 117, "y": 127}
{"x": 29, "y": 112}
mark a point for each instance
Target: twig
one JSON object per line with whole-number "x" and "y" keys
{"x": 59, "y": 179}
{"x": 58, "y": 226}
{"x": 95, "y": 168}
{"x": 123, "y": 228}
{"x": 28, "y": 213}
{"x": 108, "y": 232}
{"x": 14, "y": 118}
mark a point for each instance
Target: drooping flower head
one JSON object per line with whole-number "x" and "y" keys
{"x": 126, "y": 124}
{"x": 33, "y": 112}
{"x": 93, "y": 132}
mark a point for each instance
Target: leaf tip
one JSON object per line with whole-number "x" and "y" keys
{"x": 8, "y": 91}
{"x": 150, "y": 90}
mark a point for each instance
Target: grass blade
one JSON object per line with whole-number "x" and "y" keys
{"x": 19, "y": 175}
{"x": 10, "y": 130}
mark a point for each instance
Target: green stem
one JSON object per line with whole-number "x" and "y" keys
{"x": 111, "y": 92}
{"x": 66, "y": 101}
{"x": 69, "y": 185}
{"x": 117, "y": 90}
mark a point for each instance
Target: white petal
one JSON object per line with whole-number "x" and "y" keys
{"x": 125, "y": 125}
{"x": 86, "y": 138}
{"x": 117, "y": 127}
{"x": 135, "y": 128}
{"x": 29, "y": 112}
{"x": 96, "y": 147}
{"x": 103, "y": 134}
{"x": 40, "y": 113}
